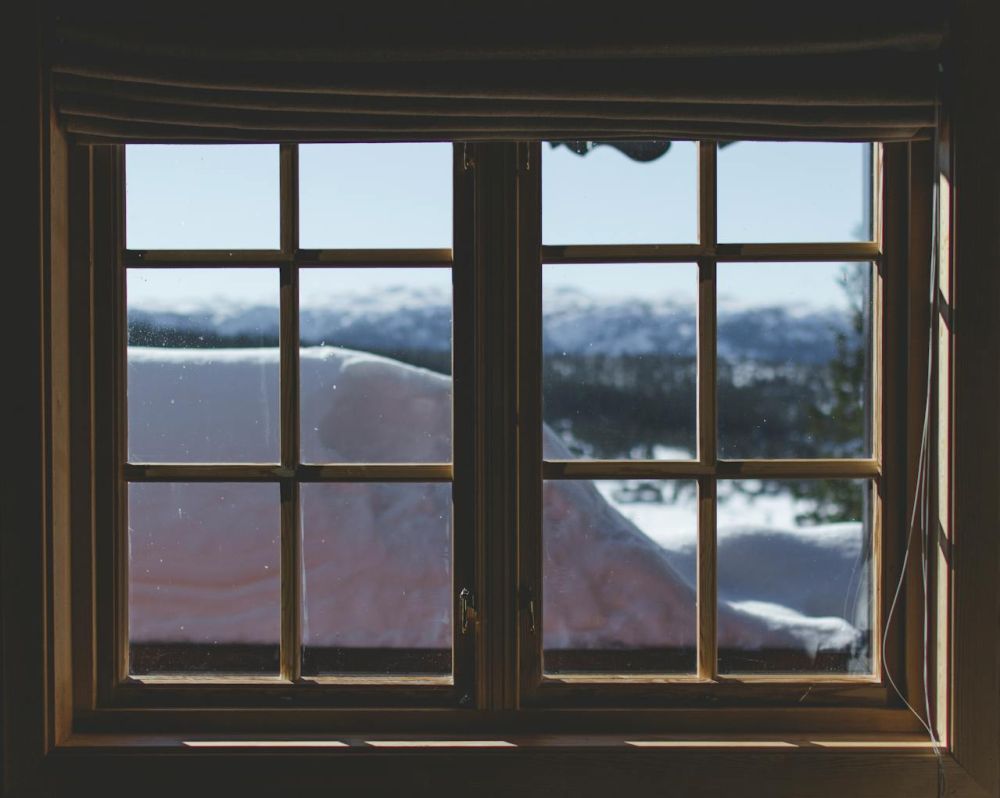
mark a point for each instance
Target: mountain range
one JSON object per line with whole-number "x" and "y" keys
{"x": 574, "y": 323}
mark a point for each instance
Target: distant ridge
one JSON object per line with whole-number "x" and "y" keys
{"x": 575, "y": 323}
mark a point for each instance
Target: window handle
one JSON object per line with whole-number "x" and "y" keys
{"x": 466, "y": 609}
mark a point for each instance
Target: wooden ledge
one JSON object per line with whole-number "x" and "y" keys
{"x": 373, "y": 743}
{"x": 820, "y": 766}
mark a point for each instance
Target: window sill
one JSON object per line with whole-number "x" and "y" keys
{"x": 379, "y": 744}
{"x": 817, "y": 765}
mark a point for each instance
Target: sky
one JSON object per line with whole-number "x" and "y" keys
{"x": 399, "y": 195}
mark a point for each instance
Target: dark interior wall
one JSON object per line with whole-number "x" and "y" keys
{"x": 974, "y": 103}
{"x": 21, "y": 484}
{"x": 22, "y": 487}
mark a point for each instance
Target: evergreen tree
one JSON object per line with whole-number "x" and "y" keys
{"x": 838, "y": 419}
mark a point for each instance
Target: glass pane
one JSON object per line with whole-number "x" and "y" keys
{"x": 619, "y": 367}
{"x": 375, "y": 196}
{"x": 794, "y": 191}
{"x": 794, "y": 365}
{"x": 375, "y": 366}
{"x": 203, "y": 366}
{"x": 377, "y": 586}
{"x": 795, "y": 576}
{"x": 619, "y": 576}
{"x": 204, "y": 593}
{"x": 202, "y": 196}
{"x": 640, "y": 192}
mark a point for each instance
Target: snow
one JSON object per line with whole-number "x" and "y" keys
{"x": 377, "y": 557}
{"x": 141, "y": 355}
{"x": 814, "y": 633}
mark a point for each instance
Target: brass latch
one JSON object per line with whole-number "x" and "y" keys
{"x": 466, "y": 609}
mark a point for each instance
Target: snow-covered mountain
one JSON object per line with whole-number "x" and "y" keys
{"x": 575, "y": 323}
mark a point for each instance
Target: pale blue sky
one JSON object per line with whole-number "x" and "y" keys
{"x": 399, "y": 195}
{"x": 605, "y": 197}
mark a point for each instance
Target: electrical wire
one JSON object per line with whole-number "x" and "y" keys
{"x": 921, "y": 511}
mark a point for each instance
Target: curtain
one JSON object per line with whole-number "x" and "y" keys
{"x": 451, "y": 71}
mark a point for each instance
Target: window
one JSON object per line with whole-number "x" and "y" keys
{"x": 150, "y": 80}
{"x": 307, "y": 439}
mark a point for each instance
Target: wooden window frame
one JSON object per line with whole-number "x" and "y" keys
{"x": 55, "y": 739}
{"x": 498, "y": 468}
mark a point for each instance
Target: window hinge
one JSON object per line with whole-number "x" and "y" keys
{"x": 468, "y": 162}
{"x": 467, "y": 609}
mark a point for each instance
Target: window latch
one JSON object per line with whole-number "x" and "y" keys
{"x": 528, "y": 603}
{"x": 467, "y": 609}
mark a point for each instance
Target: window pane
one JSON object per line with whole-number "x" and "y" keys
{"x": 794, "y": 191}
{"x": 375, "y": 368}
{"x": 203, "y": 366}
{"x": 619, "y": 576}
{"x": 795, "y": 556}
{"x": 202, "y": 196}
{"x": 794, "y": 365}
{"x": 642, "y": 192}
{"x": 204, "y": 590}
{"x": 375, "y": 196}
{"x": 377, "y": 586}
{"x": 619, "y": 368}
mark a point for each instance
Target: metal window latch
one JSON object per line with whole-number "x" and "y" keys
{"x": 468, "y": 162}
{"x": 528, "y": 603}
{"x": 467, "y": 609}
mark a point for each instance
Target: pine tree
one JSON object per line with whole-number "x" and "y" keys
{"x": 838, "y": 419}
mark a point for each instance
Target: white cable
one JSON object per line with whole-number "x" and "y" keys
{"x": 921, "y": 502}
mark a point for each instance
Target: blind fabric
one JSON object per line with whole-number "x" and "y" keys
{"x": 449, "y": 72}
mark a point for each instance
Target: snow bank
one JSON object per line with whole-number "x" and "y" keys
{"x": 203, "y": 559}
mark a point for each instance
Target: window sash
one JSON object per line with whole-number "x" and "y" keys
{"x": 539, "y": 689}
{"x": 289, "y": 684}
